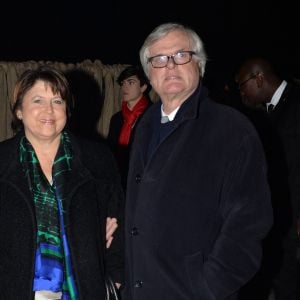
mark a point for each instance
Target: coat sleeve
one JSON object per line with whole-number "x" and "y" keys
{"x": 247, "y": 217}
{"x": 114, "y": 256}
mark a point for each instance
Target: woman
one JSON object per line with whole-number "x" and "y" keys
{"x": 56, "y": 192}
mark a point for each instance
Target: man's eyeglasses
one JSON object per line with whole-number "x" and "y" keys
{"x": 179, "y": 58}
{"x": 252, "y": 76}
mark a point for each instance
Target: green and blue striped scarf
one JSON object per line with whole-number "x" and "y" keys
{"x": 53, "y": 269}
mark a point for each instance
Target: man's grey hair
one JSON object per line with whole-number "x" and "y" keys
{"x": 161, "y": 31}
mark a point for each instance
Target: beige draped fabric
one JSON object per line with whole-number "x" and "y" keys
{"x": 103, "y": 75}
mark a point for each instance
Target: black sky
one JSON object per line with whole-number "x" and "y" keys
{"x": 113, "y": 31}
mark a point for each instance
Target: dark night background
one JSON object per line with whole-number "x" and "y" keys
{"x": 113, "y": 31}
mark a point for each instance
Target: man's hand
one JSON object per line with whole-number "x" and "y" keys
{"x": 111, "y": 226}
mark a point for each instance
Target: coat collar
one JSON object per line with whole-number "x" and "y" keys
{"x": 189, "y": 110}
{"x": 11, "y": 168}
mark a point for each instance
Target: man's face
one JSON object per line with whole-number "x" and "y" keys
{"x": 250, "y": 88}
{"x": 131, "y": 90}
{"x": 174, "y": 81}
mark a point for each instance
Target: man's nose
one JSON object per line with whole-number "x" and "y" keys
{"x": 171, "y": 64}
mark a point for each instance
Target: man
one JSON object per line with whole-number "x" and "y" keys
{"x": 198, "y": 203}
{"x": 134, "y": 90}
{"x": 278, "y": 102}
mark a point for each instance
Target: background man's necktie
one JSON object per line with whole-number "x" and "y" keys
{"x": 270, "y": 108}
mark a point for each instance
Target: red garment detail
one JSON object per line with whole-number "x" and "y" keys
{"x": 130, "y": 117}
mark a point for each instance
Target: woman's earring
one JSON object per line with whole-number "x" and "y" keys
{"x": 19, "y": 116}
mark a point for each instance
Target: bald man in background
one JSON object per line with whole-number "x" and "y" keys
{"x": 275, "y": 105}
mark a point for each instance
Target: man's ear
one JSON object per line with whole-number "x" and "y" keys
{"x": 144, "y": 87}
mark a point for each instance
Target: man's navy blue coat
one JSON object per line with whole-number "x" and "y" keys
{"x": 198, "y": 204}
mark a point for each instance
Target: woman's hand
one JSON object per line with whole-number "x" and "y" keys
{"x": 111, "y": 226}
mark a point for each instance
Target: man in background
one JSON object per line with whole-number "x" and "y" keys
{"x": 134, "y": 91}
{"x": 275, "y": 105}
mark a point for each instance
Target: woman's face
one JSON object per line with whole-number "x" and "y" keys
{"x": 42, "y": 112}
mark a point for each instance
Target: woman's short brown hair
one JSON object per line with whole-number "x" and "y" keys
{"x": 54, "y": 78}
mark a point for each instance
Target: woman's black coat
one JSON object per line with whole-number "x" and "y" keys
{"x": 94, "y": 192}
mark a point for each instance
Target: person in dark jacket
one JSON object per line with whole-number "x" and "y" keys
{"x": 135, "y": 100}
{"x": 274, "y": 108}
{"x": 198, "y": 202}
{"x": 56, "y": 193}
